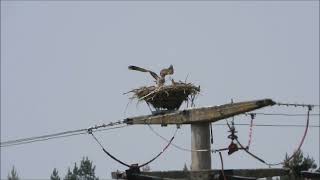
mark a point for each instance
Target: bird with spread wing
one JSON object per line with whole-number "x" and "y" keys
{"x": 160, "y": 80}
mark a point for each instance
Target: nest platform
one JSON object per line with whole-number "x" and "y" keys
{"x": 167, "y": 97}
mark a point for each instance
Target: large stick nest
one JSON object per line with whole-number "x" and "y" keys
{"x": 169, "y": 97}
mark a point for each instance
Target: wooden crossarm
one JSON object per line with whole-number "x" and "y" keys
{"x": 201, "y": 115}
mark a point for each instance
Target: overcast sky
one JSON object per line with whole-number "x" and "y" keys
{"x": 64, "y": 67}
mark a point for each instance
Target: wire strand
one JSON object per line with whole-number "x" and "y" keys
{"x": 270, "y": 125}
{"x": 125, "y": 164}
{"x": 245, "y": 149}
{"x": 222, "y": 167}
{"x": 175, "y": 145}
{"x": 282, "y": 114}
{"x": 298, "y": 105}
{"x": 38, "y": 140}
{"x": 295, "y": 152}
{"x": 109, "y": 154}
{"x": 300, "y": 144}
{"x": 56, "y": 135}
{"x": 43, "y": 137}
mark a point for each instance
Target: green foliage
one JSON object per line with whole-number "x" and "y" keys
{"x": 86, "y": 168}
{"x": 185, "y": 168}
{"x": 75, "y": 170}
{"x": 55, "y": 175}
{"x": 86, "y": 171}
{"x": 70, "y": 175}
{"x": 299, "y": 163}
{"x": 13, "y": 175}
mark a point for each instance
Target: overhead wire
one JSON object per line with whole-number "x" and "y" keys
{"x": 97, "y": 128}
{"x": 60, "y": 135}
{"x": 295, "y": 152}
{"x": 300, "y": 144}
{"x": 103, "y": 127}
{"x": 43, "y": 136}
{"x": 298, "y": 105}
{"x": 126, "y": 164}
{"x": 38, "y": 140}
{"x": 265, "y": 125}
{"x": 83, "y": 131}
{"x": 222, "y": 166}
{"x": 175, "y": 145}
{"x": 240, "y": 124}
{"x": 282, "y": 114}
{"x": 245, "y": 149}
{"x": 270, "y": 125}
{"x": 104, "y": 150}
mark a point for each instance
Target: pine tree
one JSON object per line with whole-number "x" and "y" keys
{"x": 55, "y": 175}
{"x": 185, "y": 168}
{"x": 75, "y": 171}
{"x": 70, "y": 175}
{"x": 86, "y": 171}
{"x": 299, "y": 163}
{"x": 13, "y": 175}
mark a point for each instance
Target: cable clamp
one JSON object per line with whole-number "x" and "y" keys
{"x": 252, "y": 115}
{"x": 89, "y": 130}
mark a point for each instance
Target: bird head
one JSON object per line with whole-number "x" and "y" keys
{"x": 171, "y": 70}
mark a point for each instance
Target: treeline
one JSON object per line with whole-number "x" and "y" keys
{"x": 86, "y": 169}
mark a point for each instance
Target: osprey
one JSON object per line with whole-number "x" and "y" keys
{"x": 160, "y": 80}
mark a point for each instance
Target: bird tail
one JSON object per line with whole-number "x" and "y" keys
{"x": 136, "y": 68}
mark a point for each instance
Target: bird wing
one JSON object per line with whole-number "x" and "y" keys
{"x": 136, "y": 68}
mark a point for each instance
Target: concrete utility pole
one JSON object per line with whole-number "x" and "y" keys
{"x": 200, "y": 139}
{"x": 200, "y": 119}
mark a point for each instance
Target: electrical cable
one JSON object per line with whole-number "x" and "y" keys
{"x": 298, "y": 105}
{"x": 38, "y": 140}
{"x": 300, "y": 144}
{"x": 175, "y": 145}
{"x": 125, "y": 164}
{"x": 281, "y": 114}
{"x": 222, "y": 168}
{"x": 295, "y": 152}
{"x": 241, "y": 124}
{"x": 60, "y": 135}
{"x": 104, "y": 150}
{"x": 151, "y": 160}
{"x": 43, "y": 137}
{"x": 270, "y": 125}
{"x": 83, "y": 131}
{"x": 245, "y": 149}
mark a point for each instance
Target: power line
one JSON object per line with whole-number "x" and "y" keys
{"x": 126, "y": 164}
{"x": 38, "y": 140}
{"x": 101, "y": 128}
{"x": 298, "y": 105}
{"x": 44, "y": 136}
{"x": 282, "y": 114}
{"x": 271, "y": 125}
{"x": 175, "y": 145}
{"x": 60, "y": 135}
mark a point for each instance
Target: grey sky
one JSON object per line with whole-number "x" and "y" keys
{"x": 64, "y": 67}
